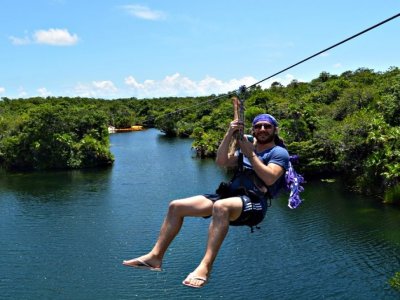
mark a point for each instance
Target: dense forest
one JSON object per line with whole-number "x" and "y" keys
{"x": 344, "y": 124}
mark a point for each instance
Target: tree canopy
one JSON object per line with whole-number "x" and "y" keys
{"x": 39, "y": 134}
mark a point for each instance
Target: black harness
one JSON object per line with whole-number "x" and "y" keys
{"x": 258, "y": 193}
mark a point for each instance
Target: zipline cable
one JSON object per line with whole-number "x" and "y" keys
{"x": 329, "y": 48}
{"x": 290, "y": 67}
{"x": 187, "y": 108}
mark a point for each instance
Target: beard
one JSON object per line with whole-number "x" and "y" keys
{"x": 265, "y": 138}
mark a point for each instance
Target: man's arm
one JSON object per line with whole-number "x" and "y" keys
{"x": 268, "y": 173}
{"x": 226, "y": 157}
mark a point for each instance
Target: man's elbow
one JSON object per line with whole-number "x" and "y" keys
{"x": 220, "y": 162}
{"x": 270, "y": 181}
{"x": 272, "y": 178}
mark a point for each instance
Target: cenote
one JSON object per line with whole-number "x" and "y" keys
{"x": 65, "y": 234}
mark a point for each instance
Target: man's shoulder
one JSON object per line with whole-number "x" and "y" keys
{"x": 280, "y": 151}
{"x": 279, "y": 156}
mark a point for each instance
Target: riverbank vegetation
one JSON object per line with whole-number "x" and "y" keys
{"x": 40, "y": 134}
{"x": 395, "y": 281}
{"x": 344, "y": 124}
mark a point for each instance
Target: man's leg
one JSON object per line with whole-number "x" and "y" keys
{"x": 223, "y": 211}
{"x": 197, "y": 206}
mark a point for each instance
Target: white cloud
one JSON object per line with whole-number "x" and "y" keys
{"x": 337, "y": 66}
{"x": 21, "y": 92}
{"x": 143, "y": 12}
{"x": 132, "y": 82}
{"x": 55, "y": 37}
{"x": 99, "y": 89}
{"x": 174, "y": 85}
{"x": 43, "y": 92}
{"x": 288, "y": 78}
{"x": 180, "y": 86}
{"x": 105, "y": 85}
{"x": 20, "y": 41}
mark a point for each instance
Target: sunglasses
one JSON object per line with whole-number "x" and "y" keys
{"x": 260, "y": 125}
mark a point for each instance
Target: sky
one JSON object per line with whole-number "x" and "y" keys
{"x": 178, "y": 48}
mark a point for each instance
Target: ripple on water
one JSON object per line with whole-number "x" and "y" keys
{"x": 64, "y": 235}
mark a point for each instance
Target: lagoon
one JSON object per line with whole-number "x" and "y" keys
{"x": 63, "y": 235}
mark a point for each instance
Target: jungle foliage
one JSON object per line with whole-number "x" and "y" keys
{"x": 39, "y": 134}
{"x": 344, "y": 124}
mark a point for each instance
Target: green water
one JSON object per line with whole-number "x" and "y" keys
{"x": 65, "y": 234}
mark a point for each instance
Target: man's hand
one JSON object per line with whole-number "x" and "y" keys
{"x": 246, "y": 146}
{"x": 235, "y": 126}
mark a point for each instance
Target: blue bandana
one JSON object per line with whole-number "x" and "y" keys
{"x": 267, "y": 118}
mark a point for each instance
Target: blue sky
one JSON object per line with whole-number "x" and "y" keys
{"x": 145, "y": 49}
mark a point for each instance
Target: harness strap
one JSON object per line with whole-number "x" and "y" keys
{"x": 267, "y": 195}
{"x": 240, "y": 162}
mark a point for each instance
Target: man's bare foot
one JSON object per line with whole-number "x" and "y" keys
{"x": 198, "y": 278}
{"x": 144, "y": 262}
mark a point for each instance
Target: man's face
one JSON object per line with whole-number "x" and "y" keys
{"x": 264, "y": 132}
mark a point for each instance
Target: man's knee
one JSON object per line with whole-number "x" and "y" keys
{"x": 174, "y": 205}
{"x": 230, "y": 209}
{"x": 178, "y": 206}
{"x": 220, "y": 209}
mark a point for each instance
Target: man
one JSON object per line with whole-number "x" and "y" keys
{"x": 242, "y": 202}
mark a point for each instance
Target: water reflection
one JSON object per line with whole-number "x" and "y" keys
{"x": 64, "y": 234}
{"x": 50, "y": 186}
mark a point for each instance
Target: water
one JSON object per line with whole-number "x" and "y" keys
{"x": 63, "y": 235}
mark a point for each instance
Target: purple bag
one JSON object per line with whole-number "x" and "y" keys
{"x": 293, "y": 183}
